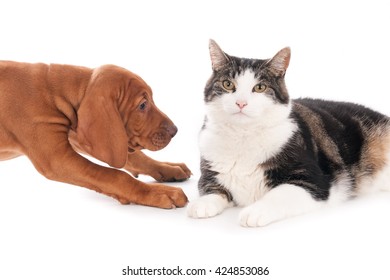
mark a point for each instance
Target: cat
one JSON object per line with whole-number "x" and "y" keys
{"x": 279, "y": 157}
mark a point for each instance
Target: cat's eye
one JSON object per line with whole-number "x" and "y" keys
{"x": 228, "y": 85}
{"x": 260, "y": 88}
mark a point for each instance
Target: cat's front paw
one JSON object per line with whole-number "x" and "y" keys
{"x": 256, "y": 215}
{"x": 207, "y": 206}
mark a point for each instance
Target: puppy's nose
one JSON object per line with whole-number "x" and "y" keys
{"x": 172, "y": 130}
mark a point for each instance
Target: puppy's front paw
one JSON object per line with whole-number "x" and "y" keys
{"x": 171, "y": 172}
{"x": 207, "y": 206}
{"x": 162, "y": 196}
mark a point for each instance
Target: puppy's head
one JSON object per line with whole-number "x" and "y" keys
{"x": 147, "y": 127}
{"x": 118, "y": 115}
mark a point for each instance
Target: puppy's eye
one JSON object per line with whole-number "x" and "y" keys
{"x": 228, "y": 85}
{"x": 143, "y": 105}
{"x": 259, "y": 88}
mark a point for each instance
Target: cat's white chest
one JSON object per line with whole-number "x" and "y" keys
{"x": 245, "y": 181}
{"x": 237, "y": 154}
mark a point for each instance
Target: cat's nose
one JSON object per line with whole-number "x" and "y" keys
{"x": 241, "y": 104}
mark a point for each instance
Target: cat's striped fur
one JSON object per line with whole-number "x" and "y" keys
{"x": 279, "y": 157}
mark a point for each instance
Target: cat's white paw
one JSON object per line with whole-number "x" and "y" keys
{"x": 207, "y": 206}
{"x": 279, "y": 203}
{"x": 257, "y": 215}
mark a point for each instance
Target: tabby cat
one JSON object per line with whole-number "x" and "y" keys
{"x": 279, "y": 157}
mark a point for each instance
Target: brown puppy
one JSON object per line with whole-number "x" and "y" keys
{"x": 48, "y": 112}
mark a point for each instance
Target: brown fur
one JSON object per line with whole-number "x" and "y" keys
{"x": 375, "y": 150}
{"x": 47, "y": 112}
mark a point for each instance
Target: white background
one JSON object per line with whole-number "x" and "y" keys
{"x": 340, "y": 51}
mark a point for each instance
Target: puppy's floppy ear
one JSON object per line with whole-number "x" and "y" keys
{"x": 100, "y": 129}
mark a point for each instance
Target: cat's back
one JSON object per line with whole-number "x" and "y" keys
{"x": 346, "y": 136}
{"x": 342, "y": 128}
{"x": 333, "y": 114}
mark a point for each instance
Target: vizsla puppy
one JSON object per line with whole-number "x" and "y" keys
{"x": 48, "y": 112}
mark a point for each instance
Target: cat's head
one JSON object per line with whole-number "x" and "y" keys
{"x": 244, "y": 91}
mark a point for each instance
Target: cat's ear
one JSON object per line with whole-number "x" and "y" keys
{"x": 218, "y": 57}
{"x": 280, "y": 61}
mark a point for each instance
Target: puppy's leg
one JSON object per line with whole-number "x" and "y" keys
{"x": 58, "y": 161}
{"x": 139, "y": 163}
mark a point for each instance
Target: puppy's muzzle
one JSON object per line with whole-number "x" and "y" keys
{"x": 161, "y": 138}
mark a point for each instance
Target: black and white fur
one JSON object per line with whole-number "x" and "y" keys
{"x": 278, "y": 157}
